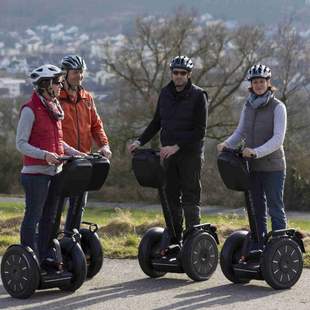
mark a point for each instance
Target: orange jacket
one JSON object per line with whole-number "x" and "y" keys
{"x": 82, "y": 123}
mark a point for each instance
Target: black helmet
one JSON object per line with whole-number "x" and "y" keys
{"x": 181, "y": 62}
{"x": 259, "y": 71}
{"x": 73, "y": 62}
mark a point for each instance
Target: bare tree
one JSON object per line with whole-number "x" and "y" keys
{"x": 222, "y": 57}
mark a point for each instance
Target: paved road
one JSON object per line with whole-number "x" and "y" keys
{"x": 122, "y": 285}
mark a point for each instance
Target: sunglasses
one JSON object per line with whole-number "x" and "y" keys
{"x": 176, "y": 72}
{"x": 57, "y": 83}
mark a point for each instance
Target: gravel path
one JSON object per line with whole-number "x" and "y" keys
{"x": 122, "y": 285}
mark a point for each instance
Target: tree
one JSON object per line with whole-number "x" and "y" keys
{"x": 222, "y": 57}
{"x": 10, "y": 159}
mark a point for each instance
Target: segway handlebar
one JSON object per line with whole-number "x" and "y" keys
{"x": 74, "y": 157}
{"x": 238, "y": 151}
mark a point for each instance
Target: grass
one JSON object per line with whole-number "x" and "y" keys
{"x": 121, "y": 230}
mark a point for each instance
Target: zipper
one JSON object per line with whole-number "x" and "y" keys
{"x": 78, "y": 129}
{"x": 253, "y": 126}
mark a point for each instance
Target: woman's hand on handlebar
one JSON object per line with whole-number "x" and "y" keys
{"x": 249, "y": 153}
{"x": 221, "y": 146}
{"x": 51, "y": 158}
{"x": 81, "y": 154}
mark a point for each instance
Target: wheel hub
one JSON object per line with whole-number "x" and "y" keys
{"x": 285, "y": 263}
{"x": 203, "y": 256}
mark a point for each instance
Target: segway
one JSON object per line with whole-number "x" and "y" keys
{"x": 280, "y": 261}
{"x": 21, "y": 271}
{"x": 89, "y": 240}
{"x": 196, "y": 254}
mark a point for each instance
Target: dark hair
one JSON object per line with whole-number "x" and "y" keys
{"x": 44, "y": 83}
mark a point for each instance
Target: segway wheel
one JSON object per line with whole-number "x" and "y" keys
{"x": 230, "y": 255}
{"x": 147, "y": 248}
{"x": 282, "y": 263}
{"x": 74, "y": 262}
{"x": 93, "y": 251}
{"x": 199, "y": 256}
{"x": 19, "y": 272}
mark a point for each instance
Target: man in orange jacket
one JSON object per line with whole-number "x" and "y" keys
{"x": 81, "y": 125}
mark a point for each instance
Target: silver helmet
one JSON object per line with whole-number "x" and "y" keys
{"x": 259, "y": 71}
{"x": 45, "y": 72}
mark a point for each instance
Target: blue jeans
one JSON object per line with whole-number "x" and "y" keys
{"x": 267, "y": 189}
{"x": 76, "y": 208}
{"x": 40, "y": 209}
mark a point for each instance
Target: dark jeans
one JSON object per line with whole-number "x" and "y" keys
{"x": 76, "y": 208}
{"x": 41, "y": 207}
{"x": 183, "y": 189}
{"x": 267, "y": 193}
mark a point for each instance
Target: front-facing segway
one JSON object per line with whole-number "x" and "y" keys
{"x": 196, "y": 254}
{"x": 280, "y": 261}
{"x": 21, "y": 271}
{"x": 89, "y": 240}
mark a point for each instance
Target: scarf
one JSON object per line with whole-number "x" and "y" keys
{"x": 53, "y": 107}
{"x": 256, "y": 101}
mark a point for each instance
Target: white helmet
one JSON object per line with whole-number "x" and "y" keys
{"x": 45, "y": 72}
{"x": 259, "y": 71}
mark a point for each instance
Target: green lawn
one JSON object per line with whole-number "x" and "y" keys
{"x": 121, "y": 230}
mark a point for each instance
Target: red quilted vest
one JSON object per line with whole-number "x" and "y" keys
{"x": 46, "y": 133}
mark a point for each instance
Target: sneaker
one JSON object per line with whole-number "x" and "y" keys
{"x": 165, "y": 242}
{"x": 50, "y": 265}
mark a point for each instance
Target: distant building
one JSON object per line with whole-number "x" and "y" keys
{"x": 10, "y": 87}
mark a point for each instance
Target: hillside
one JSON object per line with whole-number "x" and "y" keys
{"x": 116, "y": 16}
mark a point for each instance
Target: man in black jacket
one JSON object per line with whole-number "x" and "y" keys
{"x": 181, "y": 117}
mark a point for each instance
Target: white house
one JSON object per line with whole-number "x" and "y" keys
{"x": 10, "y": 87}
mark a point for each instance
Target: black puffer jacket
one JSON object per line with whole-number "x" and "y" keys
{"x": 181, "y": 117}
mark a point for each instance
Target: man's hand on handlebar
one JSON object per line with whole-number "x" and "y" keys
{"x": 105, "y": 151}
{"x": 133, "y": 146}
{"x": 167, "y": 151}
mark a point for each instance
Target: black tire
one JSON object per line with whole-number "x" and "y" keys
{"x": 282, "y": 263}
{"x": 230, "y": 255}
{"x": 147, "y": 245}
{"x": 19, "y": 272}
{"x": 93, "y": 251}
{"x": 74, "y": 262}
{"x": 199, "y": 256}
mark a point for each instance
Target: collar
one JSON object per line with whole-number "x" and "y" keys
{"x": 182, "y": 93}
{"x": 82, "y": 94}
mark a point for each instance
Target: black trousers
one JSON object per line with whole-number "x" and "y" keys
{"x": 183, "y": 188}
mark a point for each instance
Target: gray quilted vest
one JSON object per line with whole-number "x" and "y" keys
{"x": 258, "y": 130}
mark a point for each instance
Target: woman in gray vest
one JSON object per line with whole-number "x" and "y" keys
{"x": 262, "y": 125}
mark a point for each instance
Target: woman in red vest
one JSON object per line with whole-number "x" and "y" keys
{"x": 39, "y": 138}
